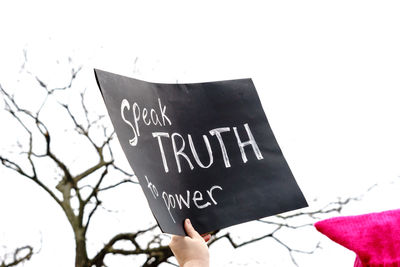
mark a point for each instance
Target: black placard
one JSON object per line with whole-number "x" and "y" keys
{"x": 203, "y": 151}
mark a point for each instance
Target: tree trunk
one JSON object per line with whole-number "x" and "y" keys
{"x": 81, "y": 258}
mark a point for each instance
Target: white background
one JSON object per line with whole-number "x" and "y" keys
{"x": 327, "y": 73}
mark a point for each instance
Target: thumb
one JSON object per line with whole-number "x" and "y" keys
{"x": 190, "y": 230}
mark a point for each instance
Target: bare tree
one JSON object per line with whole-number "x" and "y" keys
{"x": 71, "y": 188}
{"x": 79, "y": 193}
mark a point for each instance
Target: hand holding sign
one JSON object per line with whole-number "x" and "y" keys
{"x": 202, "y": 151}
{"x": 191, "y": 250}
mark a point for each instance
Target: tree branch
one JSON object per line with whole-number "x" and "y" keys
{"x": 17, "y": 257}
{"x": 108, "y": 247}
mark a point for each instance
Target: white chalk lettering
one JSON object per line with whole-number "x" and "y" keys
{"x": 198, "y": 196}
{"x": 163, "y": 115}
{"x": 152, "y": 188}
{"x": 217, "y": 132}
{"x": 125, "y": 105}
{"x": 210, "y": 194}
{"x": 196, "y": 156}
{"x": 180, "y": 152}
{"x": 158, "y": 135}
{"x": 136, "y": 116}
{"x": 178, "y": 143}
{"x": 183, "y": 201}
{"x": 169, "y": 203}
{"x": 180, "y": 199}
{"x": 142, "y": 116}
{"x": 251, "y": 142}
{"x": 154, "y": 117}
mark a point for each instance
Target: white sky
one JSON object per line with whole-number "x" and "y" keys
{"x": 327, "y": 73}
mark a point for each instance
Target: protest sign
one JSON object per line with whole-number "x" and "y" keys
{"x": 203, "y": 151}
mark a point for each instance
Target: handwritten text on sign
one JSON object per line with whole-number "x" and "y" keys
{"x": 145, "y": 117}
{"x": 203, "y": 151}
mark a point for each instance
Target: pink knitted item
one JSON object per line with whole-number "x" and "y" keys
{"x": 375, "y": 237}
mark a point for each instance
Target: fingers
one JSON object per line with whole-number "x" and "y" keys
{"x": 190, "y": 230}
{"x": 192, "y": 233}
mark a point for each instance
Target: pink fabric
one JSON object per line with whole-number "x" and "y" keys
{"x": 375, "y": 237}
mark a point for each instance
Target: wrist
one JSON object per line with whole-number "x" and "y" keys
{"x": 196, "y": 263}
